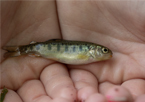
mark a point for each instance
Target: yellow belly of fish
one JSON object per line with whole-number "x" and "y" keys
{"x": 73, "y": 59}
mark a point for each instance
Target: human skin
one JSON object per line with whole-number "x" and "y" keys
{"x": 119, "y": 25}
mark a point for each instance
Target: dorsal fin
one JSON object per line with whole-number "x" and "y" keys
{"x": 33, "y": 42}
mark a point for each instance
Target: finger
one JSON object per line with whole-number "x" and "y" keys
{"x": 96, "y": 98}
{"x": 115, "y": 92}
{"x": 85, "y": 82}
{"x": 57, "y": 82}
{"x": 140, "y": 98}
{"x": 12, "y": 96}
{"x": 33, "y": 91}
{"x": 119, "y": 93}
{"x": 15, "y": 71}
{"x": 135, "y": 86}
{"x": 105, "y": 86}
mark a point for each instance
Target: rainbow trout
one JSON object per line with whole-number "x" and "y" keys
{"x": 64, "y": 51}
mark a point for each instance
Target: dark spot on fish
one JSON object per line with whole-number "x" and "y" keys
{"x": 88, "y": 46}
{"x": 42, "y": 44}
{"x": 49, "y": 46}
{"x": 80, "y": 48}
{"x": 66, "y": 48}
{"x": 53, "y": 43}
{"x": 70, "y": 44}
{"x": 58, "y": 47}
{"x": 38, "y": 47}
{"x": 74, "y": 48}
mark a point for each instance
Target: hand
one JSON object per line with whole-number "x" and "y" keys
{"x": 117, "y": 25}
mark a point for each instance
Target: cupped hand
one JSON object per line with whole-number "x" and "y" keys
{"x": 118, "y": 25}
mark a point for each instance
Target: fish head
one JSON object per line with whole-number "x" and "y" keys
{"x": 103, "y": 53}
{"x": 100, "y": 53}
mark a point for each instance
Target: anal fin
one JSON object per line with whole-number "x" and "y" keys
{"x": 34, "y": 54}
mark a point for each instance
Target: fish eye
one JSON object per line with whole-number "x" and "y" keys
{"x": 105, "y": 50}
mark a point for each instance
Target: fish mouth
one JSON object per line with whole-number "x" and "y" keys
{"x": 111, "y": 54}
{"x": 108, "y": 57}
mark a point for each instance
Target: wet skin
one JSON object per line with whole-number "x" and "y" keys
{"x": 117, "y": 25}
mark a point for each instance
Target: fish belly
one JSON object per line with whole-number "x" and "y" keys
{"x": 72, "y": 54}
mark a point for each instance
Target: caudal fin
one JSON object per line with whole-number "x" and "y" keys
{"x": 11, "y": 48}
{"x": 12, "y": 54}
{"x": 12, "y": 51}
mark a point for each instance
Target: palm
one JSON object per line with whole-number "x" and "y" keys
{"x": 125, "y": 36}
{"x": 120, "y": 30}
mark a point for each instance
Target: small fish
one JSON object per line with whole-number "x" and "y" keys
{"x": 64, "y": 51}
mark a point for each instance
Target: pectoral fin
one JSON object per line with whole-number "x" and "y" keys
{"x": 92, "y": 52}
{"x": 81, "y": 56}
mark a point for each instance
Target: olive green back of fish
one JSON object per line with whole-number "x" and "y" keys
{"x": 57, "y": 46}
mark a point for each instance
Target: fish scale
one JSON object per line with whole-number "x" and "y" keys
{"x": 64, "y": 51}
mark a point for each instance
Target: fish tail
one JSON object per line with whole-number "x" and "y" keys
{"x": 12, "y": 54}
{"x": 11, "y": 48}
{"x": 12, "y": 51}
